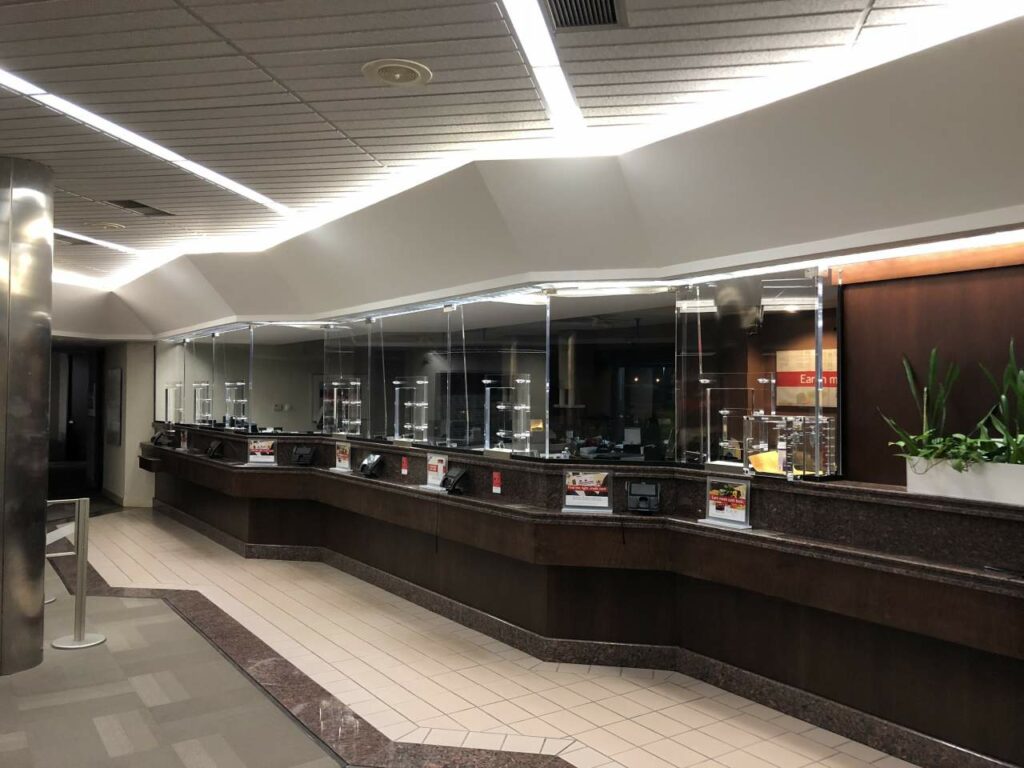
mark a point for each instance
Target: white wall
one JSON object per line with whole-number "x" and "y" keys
{"x": 283, "y": 385}
{"x": 123, "y": 481}
{"x": 80, "y": 312}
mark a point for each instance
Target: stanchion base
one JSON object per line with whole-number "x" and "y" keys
{"x": 69, "y": 643}
{"x": 48, "y": 600}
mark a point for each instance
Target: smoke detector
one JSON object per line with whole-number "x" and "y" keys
{"x": 397, "y": 73}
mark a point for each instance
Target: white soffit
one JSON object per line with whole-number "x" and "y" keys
{"x": 269, "y": 94}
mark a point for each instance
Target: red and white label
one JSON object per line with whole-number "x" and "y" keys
{"x": 495, "y": 482}
{"x": 405, "y": 465}
{"x": 437, "y": 467}
{"x": 795, "y": 374}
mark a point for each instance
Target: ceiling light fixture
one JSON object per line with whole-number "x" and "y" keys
{"x": 21, "y": 86}
{"x": 66, "y": 277}
{"x": 532, "y": 30}
{"x": 94, "y": 241}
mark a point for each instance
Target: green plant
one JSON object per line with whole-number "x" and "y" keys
{"x": 1007, "y": 416}
{"x": 931, "y": 398}
{"x": 997, "y": 438}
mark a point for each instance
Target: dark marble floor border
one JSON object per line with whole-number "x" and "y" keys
{"x": 354, "y": 741}
{"x": 886, "y": 736}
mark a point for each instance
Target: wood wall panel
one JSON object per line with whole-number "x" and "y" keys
{"x": 969, "y": 316}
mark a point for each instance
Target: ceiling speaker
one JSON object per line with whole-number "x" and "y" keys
{"x": 397, "y": 73}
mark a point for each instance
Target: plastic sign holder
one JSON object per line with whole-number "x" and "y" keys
{"x": 727, "y": 502}
{"x": 437, "y": 468}
{"x": 342, "y": 458}
{"x": 588, "y": 492}
{"x": 262, "y": 453}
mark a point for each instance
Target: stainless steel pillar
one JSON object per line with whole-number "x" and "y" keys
{"x": 26, "y": 263}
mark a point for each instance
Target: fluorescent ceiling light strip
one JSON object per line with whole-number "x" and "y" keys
{"x": 112, "y": 129}
{"x": 65, "y": 277}
{"x": 94, "y": 241}
{"x": 562, "y": 107}
{"x": 532, "y": 30}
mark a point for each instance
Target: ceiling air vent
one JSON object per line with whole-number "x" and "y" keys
{"x": 134, "y": 206}
{"x": 583, "y": 13}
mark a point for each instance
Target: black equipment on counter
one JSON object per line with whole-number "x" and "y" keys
{"x": 371, "y": 465}
{"x": 303, "y": 455}
{"x": 452, "y": 479}
{"x": 643, "y": 496}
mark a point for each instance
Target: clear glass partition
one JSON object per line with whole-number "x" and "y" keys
{"x": 498, "y": 376}
{"x": 199, "y": 380}
{"x": 415, "y": 356}
{"x": 232, "y": 377}
{"x": 346, "y": 395}
{"x": 288, "y": 371}
{"x": 611, "y": 385}
{"x": 758, "y": 374}
{"x": 170, "y": 398}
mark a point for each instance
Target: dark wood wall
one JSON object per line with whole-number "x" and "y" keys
{"x": 969, "y": 316}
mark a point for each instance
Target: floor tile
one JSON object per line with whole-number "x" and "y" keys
{"x": 674, "y": 753}
{"x": 704, "y": 743}
{"x": 584, "y": 757}
{"x": 604, "y": 741}
{"x": 640, "y": 758}
{"x": 633, "y": 732}
{"x": 404, "y": 667}
{"x": 445, "y": 738}
{"x": 484, "y": 741}
{"x": 660, "y": 724}
{"x": 741, "y": 759}
{"x": 536, "y": 704}
{"x": 798, "y": 743}
{"x": 860, "y": 751}
{"x": 778, "y": 755}
{"x": 531, "y": 744}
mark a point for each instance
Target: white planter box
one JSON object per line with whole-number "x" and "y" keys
{"x": 999, "y": 483}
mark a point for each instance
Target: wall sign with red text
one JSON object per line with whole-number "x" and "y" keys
{"x": 794, "y": 377}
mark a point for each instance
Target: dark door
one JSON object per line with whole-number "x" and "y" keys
{"x": 76, "y": 453}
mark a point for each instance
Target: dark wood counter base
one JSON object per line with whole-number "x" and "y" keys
{"x": 907, "y": 655}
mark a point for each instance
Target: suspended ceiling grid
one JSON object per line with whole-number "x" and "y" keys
{"x": 270, "y": 93}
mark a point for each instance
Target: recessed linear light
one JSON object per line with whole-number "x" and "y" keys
{"x": 532, "y": 30}
{"x": 94, "y": 241}
{"x": 19, "y": 85}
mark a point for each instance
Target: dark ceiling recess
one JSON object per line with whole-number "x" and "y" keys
{"x": 134, "y": 206}
{"x": 583, "y": 13}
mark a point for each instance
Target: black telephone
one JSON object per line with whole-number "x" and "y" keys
{"x": 163, "y": 438}
{"x": 303, "y": 455}
{"x": 452, "y": 481}
{"x": 216, "y": 449}
{"x": 371, "y": 465}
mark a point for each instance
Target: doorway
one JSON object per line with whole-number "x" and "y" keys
{"x": 76, "y": 449}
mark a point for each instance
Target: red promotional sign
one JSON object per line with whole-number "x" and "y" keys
{"x": 495, "y": 482}
{"x": 805, "y": 378}
{"x": 405, "y": 465}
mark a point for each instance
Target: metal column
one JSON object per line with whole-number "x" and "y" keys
{"x": 26, "y": 263}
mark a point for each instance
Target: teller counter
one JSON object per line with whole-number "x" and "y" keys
{"x": 889, "y": 618}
